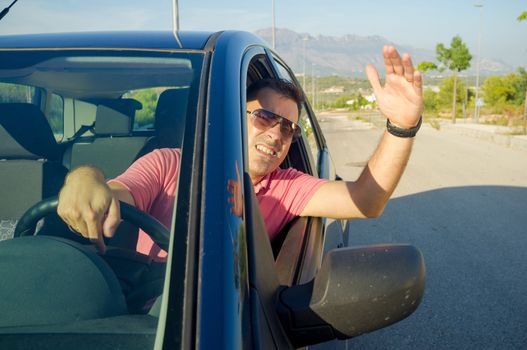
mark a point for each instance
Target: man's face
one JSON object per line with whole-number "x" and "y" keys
{"x": 268, "y": 148}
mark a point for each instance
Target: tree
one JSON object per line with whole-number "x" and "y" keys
{"x": 426, "y": 66}
{"x": 522, "y": 17}
{"x": 148, "y": 98}
{"x": 498, "y": 90}
{"x": 456, "y": 58}
{"x": 359, "y": 102}
{"x": 447, "y": 92}
{"x": 341, "y": 102}
{"x": 431, "y": 102}
{"x": 505, "y": 92}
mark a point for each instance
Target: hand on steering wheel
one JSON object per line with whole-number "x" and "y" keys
{"x": 160, "y": 234}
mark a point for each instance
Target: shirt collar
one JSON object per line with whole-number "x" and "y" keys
{"x": 263, "y": 185}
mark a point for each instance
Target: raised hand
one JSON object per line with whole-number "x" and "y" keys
{"x": 401, "y": 97}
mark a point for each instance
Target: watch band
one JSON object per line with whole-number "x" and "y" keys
{"x": 401, "y": 132}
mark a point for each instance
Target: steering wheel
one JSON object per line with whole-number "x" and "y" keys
{"x": 160, "y": 234}
{"x": 130, "y": 267}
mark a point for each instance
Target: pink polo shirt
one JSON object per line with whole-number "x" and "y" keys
{"x": 152, "y": 181}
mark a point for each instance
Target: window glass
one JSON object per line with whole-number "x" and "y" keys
{"x": 305, "y": 118}
{"x": 307, "y": 127}
{"x": 149, "y": 99}
{"x": 144, "y": 117}
{"x": 115, "y": 291}
{"x": 13, "y": 93}
{"x": 56, "y": 116}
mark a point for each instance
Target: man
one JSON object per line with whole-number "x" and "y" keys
{"x": 89, "y": 205}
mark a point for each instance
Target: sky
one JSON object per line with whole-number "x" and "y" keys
{"x": 420, "y": 24}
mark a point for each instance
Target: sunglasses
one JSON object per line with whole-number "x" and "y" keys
{"x": 265, "y": 120}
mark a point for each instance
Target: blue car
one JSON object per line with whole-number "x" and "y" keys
{"x": 108, "y": 98}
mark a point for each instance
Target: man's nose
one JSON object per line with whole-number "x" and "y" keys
{"x": 275, "y": 132}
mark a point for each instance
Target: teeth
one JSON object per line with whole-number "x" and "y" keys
{"x": 265, "y": 150}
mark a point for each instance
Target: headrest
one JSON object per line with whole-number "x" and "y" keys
{"x": 126, "y": 106}
{"x": 111, "y": 122}
{"x": 25, "y": 133}
{"x": 171, "y": 111}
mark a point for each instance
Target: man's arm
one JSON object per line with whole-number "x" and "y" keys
{"x": 401, "y": 101}
{"x": 90, "y": 206}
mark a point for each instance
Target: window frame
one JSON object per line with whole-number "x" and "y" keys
{"x": 303, "y": 263}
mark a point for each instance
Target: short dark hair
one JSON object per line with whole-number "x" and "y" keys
{"x": 280, "y": 86}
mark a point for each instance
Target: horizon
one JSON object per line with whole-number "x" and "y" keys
{"x": 422, "y": 27}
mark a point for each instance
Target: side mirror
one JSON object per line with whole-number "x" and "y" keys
{"x": 356, "y": 291}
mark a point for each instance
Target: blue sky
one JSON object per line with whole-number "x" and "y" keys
{"x": 421, "y": 24}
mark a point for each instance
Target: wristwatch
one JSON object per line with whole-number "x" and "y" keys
{"x": 401, "y": 132}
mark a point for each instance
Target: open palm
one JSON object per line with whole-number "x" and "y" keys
{"x": 401, "y": 97}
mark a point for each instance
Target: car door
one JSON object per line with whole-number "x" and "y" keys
{"x": 299, "y": 247}
{"x": 315, "y": 154}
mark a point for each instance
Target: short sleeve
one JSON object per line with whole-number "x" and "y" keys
{"x": 146, "y": 177}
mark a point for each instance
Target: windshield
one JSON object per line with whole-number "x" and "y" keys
{"x": 61, "y": 109}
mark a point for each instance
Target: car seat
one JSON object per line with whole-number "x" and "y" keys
{"x": 30, "y": 162}
{"x": 169, "y": 123}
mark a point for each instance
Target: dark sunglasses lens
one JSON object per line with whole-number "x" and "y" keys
{"x": 266, "y": 119}
{"x": 287, "y": 128}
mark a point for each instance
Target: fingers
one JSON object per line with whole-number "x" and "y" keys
{"x": 387, "y": 61}
{"x": 373, "y": 77}
{"x": 418, "y": 81}
{"x": 398, "y": 65}
{"x": 94, "y": 227}
{"x": 113, "y": 218}
{"x": 408, "y": 67}
{"x": 392, "y": 60}
{"x": 86, "y": 223}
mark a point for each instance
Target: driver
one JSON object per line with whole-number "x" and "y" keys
{"x": 89, "y": 204}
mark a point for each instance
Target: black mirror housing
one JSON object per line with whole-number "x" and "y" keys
{"x": 356, "y": 291}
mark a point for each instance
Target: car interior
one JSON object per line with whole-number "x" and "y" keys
{"x": 57, "y": 113}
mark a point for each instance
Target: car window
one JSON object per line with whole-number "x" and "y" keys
{"x": 54, "y": 105}
{"x": 144, "y": 117}
{"x": 17, "y": 93}
{"x": 305, "y": 118}
{"x": 55, "y": 115}
{"x": 159, "y": 92}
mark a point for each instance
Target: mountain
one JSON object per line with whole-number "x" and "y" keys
{"x": 348, "y": 55}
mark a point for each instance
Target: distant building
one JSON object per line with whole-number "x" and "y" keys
{"x": 333, "y": 90}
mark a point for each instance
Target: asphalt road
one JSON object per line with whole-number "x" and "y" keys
{"x": 463, "y": 202}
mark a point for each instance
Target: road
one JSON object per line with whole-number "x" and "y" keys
{"x": 463, "y": 202}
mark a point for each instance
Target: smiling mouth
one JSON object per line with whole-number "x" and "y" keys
{"x": 266, "y": 150}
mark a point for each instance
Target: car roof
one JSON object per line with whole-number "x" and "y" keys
{"x": 190, "y": 40}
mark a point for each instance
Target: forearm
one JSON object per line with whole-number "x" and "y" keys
{"x": 379, "y": 179}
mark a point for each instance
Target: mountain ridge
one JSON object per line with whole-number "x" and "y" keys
{"x": 348, "y": 55}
